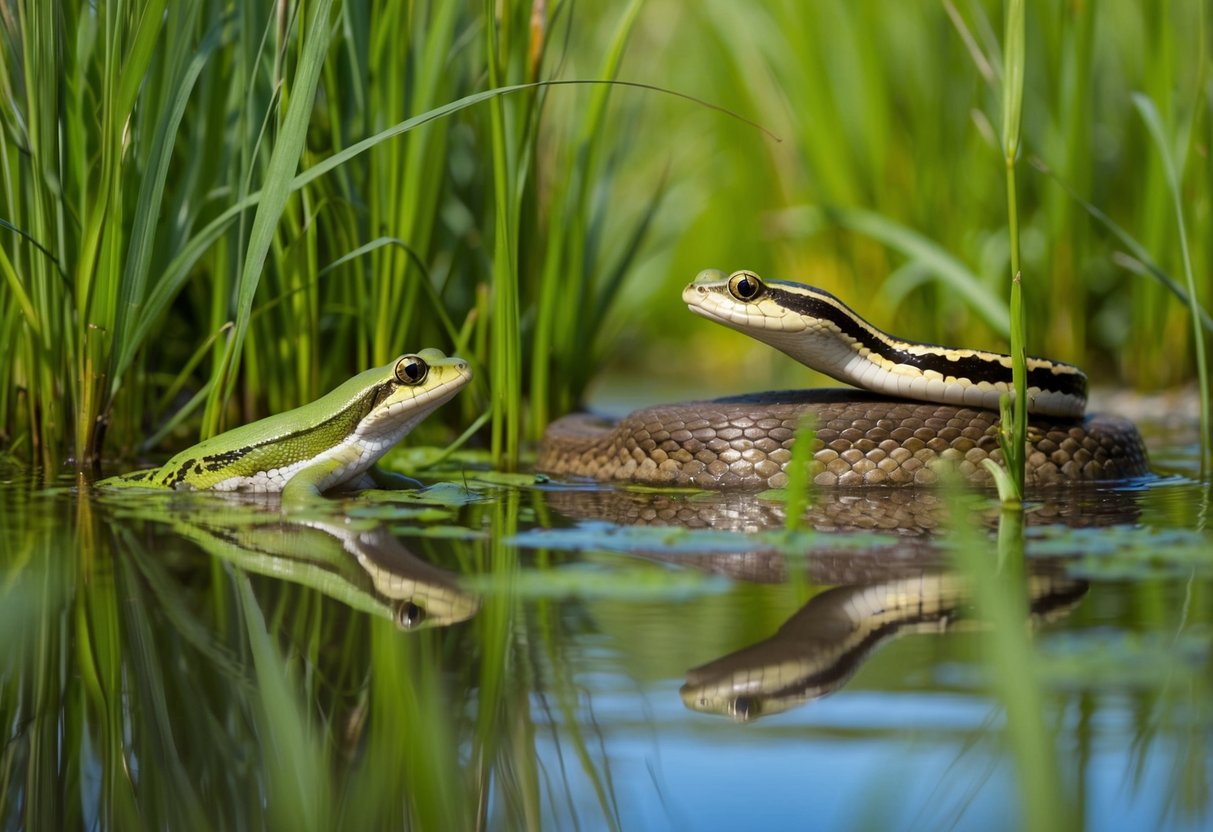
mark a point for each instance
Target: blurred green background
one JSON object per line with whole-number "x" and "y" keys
{"x": 165, "y": 276}
{"x": 888, "y": 163}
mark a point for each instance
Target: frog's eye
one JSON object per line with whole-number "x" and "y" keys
{"x": 745, "y": 286}
{"x": 409, "y": 615}
{"x": 411, "y": 370}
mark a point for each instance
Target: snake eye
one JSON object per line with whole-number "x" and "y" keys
{"x": 745, "y": 286}
{"x": 411, "y": 370}
{"x": 409, "y": 615}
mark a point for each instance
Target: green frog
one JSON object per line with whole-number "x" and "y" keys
{"x": 330, "y": 444}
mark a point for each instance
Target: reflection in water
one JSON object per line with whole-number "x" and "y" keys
{"x": 905, "y": 512}
{"x": 820, "y": 647}
{"x": 912, "y": 515}
{"x": 147, "y": 684}
{"x": 887, "y": 588}
{"x": 367, "y": 568}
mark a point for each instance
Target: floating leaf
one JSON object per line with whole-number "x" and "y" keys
{"x": 508, "y": 478}
{"x": 1124, "y": 552}
{"x": 597, "y": 581}
{"x": 607, "y": 536}
{"x": 445, "y": 532}
{"x": 602, "y": 536}
{"x": 444, "y": 494}
{"x": 394, "y": 511}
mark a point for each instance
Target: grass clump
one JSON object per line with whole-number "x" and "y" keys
{"x": 217, "y": 215}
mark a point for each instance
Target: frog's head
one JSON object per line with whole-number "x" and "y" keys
{"x": 407, "y": 390}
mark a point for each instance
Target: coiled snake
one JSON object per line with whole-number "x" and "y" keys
{"x": 921, "y": 404}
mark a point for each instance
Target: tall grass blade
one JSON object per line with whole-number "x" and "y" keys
{"x": 298, "y": 783}
{"x": 1145, "y": 263}
{"x": 999, "y": 590}
{"x": 284, "y": 161}
{"x": 946, "y": 268}
{"x": 1172, "y": 170}
{"x": 570, "y": 310}
{"x": 178, "y": 270}
{"x": 1013, "y": 436}
{"x": 798, "y": 495}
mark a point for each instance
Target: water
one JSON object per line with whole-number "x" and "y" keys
{"x": 510, "y": 652}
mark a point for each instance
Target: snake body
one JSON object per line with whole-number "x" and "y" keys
{"x": 863, "y": 438}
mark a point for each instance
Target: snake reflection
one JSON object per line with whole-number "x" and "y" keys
{"x": 879, "y": 592}
{"x": 820, "y": 647}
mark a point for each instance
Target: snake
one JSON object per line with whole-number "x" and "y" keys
{"x": 919, "y": 408}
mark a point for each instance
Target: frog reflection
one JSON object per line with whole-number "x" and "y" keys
{"x": 364, "y": 566}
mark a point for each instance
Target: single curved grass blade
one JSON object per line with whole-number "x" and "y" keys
{"x": 947, "y": 269}
{"x": 1145, "y": 263}
{"x": 1149, "y": 114}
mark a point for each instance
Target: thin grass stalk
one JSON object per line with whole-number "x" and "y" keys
{"x": 172, "y": 793}
{"x": 497, "y": 633}
{"x": 797, "y": 491}
{"x": 1013, "y": 432}
{"x": 1138, "y": 260}
{"x": 134, "y": 277}
{"x": 49, "y": 805}
{"x": 1151, "y": 311}
{"x": 387, "y": 207}
{"x": 569, "y": 309}
{"x": 409, "y": 698}
{"x": 99, "y": 660}
{"x": 506, "y": 330}
{"x": 1068, "y": 325}
{"x": 549, "y": 636}
{"x": 1000, "y": 592}
{"x": 410, "y": 195}
{"x": 296, "y": 764}
{"x": 131, "y": 37}
{"x": 252, "y": 110}
{"x": 42, "y": 48}
{"x": 177, "y": 272}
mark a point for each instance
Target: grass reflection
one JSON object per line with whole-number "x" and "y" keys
{"x": 194, "y": 692}
{"x": 265, "y": 681}
{"x": 998, "y": 575}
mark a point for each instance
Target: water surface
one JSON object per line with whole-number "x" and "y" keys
{"x": 504, "y": 651}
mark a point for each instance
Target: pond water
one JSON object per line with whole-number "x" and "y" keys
{"x": 504, "y": 651}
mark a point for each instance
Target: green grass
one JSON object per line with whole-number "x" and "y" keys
{"x": 894, "y": 116}
{"x": 1000, "y": 595}
{"x": 216, "y": 215}
{"x": 1013, "y": 430}
{"x": 287, "y": 197}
